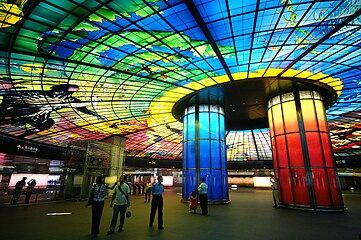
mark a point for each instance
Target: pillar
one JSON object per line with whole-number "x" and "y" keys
{"x": 302, "y": 152}
{"x": 204, "y": 151}
{"x": 105, "y": 158}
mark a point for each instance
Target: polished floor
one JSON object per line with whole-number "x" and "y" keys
{"x": 249, "y": 216}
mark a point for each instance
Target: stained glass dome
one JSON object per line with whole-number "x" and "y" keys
{"x": 78, "y": 70}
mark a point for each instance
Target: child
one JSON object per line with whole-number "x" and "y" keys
{"x": 194, "y": 202}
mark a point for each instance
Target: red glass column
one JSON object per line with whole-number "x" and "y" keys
{"x": 302, "y": 152}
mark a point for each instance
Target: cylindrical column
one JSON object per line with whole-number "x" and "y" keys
{"x": 204, "y": 151}
{"x": 302, "y": 152}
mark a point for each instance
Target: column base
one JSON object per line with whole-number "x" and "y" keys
{"x": 215, "y": 202}
{"x": 318, "y": 209}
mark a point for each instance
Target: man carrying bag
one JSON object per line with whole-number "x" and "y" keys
{"x": 121, "y": 197}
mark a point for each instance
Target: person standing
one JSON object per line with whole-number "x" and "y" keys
{"x": 148, "y": 190}
{"x": 121, "y": 196}
{"x": 29, "y": 190}
{"x": 276, "y": 199}
{"x": 17, "y": 191}
{"x": 96, "y": 199}
{"x": 203, "y": 197}
{"x": 157, "y": 203}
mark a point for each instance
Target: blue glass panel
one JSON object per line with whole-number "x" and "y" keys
{"x": 185, "y": 151}
{"x": 214, "y": 125}
{"x": 216, "y": 185}
{"x": 185, "y": 128}
{"x": 203, "y": 125}
{"x": 222, "y": 131}
{"x": 184, "y": 186}
{"x": 191, "y": 154}
{"x": 205, "y": 174}
{"x": 189, "y": 182}
{"x": 241, "y": 6}
{"x": 216, "y": 158}
{"x": 223, "y": 154}
{"x": 225, "y": 185}
{"x": 204, "y": 154}
{"x": 243, "y": 24}
{"x": 191, "y": 126}
{"x": 220, "y": 29}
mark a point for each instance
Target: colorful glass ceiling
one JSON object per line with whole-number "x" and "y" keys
{"x": 79, "y": 70}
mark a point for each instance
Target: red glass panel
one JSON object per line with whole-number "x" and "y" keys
{"x": 308, "y": 114}
{"x": 321, "y": 116}
{"x": 281, "y": 151}
{"x": 323, "y": 197}
{"x": 277, "y": 119}
{"x": 327, "y": 151}
{"x": 295, "y": 150}
{"x": 335, "y": 191}
{"x": 285, "y": 187}
{"x": 300, "y": 186}
{"x": 314, "y": 149}
{"x": 290, "y": 117}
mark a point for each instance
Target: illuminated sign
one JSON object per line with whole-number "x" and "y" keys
{"x": 27, "y": 148}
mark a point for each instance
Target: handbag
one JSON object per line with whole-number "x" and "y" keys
{"x": 128, "y": 213}
{"x": 91, "y": 197}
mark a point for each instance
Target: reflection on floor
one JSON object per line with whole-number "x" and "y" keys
{"x": 249, "y": 216}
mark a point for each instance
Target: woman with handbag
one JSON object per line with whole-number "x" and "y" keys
{"x": 96, "y": 199}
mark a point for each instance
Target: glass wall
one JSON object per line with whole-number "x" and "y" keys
{"x": 204, "y": 149}
{"x": 302, "y": 151}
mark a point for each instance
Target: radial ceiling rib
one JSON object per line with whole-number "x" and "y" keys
{"x": 193, "y": 9}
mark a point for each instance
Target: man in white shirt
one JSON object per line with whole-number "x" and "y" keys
{"x": 203, "y": 197}
{"x": 121, "y": 196}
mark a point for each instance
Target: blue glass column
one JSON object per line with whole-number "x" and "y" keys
{"x": 204, "y": 151}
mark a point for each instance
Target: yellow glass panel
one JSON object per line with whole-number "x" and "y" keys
{"x": 308, "y": 114}
{"x": 290, "y": 117}
{"x": 271, "y": 72}
{"x": 270, "y": 122}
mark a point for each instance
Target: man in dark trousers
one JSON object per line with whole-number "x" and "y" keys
{"x": 203, "y": 197}
{"x": 17, "y": 191}
{"x": 157, "y": 203}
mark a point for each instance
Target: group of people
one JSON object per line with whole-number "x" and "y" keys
{"x": 120, "y": 202}
{"x": 19, "y": 189}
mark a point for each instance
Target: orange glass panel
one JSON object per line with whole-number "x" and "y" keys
{"x": 290, "y": 117}
{"x": 314, "y": 149}
{"x": 321, "y": 116}
{"x": 277, "y": 118}
{"x": 309, "y": 116}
